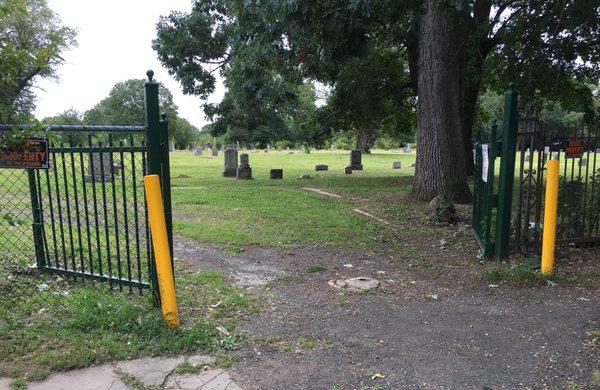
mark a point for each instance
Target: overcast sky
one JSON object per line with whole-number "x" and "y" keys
{"x": 114, "y": 45}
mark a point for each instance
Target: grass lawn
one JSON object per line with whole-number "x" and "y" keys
{"x": 208, "y": 207}
{"x": 49, "y": 324}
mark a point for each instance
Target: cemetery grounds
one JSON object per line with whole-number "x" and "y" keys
{"x": 255, "y": 262}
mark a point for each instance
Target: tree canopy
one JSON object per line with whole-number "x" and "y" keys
{"x": 124, "y": 105}
{"x": 32, "y": 44}
{"x": 440, "y": 55}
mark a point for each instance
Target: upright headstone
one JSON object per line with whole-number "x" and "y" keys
{"x": 171, "y": 147}
{"x": 244, "y": 172}
{"x": 231, "y": 162}
{"x": 407, "y": 148}
{"x": 207, "y": 146}
{"x": 198, "y": 152}
{"x": 276, "y": 174}
{"x": 321, "y": 167}
{"x": 100, "y": 167}
{"x": 348, "y": 170}
{"x": 396, "y": 165}
{"x": 215, "y": 152}
{"x": 356, "y": 160}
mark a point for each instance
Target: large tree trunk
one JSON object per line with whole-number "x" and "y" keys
{"x": 363, "y": 140}
{"x": 441, "y": 165}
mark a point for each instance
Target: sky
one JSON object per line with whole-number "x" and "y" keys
{"x": 114, "y": 44}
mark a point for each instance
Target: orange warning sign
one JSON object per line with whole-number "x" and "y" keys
{"x": 28, "y": 154}
{"x": 574, "y": 148}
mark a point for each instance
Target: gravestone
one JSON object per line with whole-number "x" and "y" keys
{"x": 231, "y": 162}
{"x": 348, "y": 170}
{"x": 207, "y": 146}
{"x": 276, "y": 174}
{"x": 396, "y": 165}
{"x": 244, "y": 172}
{"x": 198, "y": 152}
{"x": 192, "y": 147}
{"x": 266, "y": 150}
{"x": 171, "y": 148}
{"x": 407, "y": 148}
{"x": 215, "y": 152}
{"x": 356, "y": 160}
{"x": 583, "y": 162}
{"x": 99, "y": 167}
{"x": 321, "y": 167}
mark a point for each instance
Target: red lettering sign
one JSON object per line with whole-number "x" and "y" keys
{"x": 30, "y": 153}
{"x": 574, "y": 148}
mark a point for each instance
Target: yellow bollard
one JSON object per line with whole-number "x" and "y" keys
{"x": 162, "y": 254}
{"x": 550, "y": 208}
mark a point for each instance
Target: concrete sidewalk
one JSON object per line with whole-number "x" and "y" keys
{"x": 146, "y": 373}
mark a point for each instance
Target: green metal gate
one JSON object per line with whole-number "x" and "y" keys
{"x": 86, "y": 215}
{"x": 491, "y": 209}
{"x": 526, "y": 145}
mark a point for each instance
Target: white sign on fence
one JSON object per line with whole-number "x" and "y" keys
{"x": 485, "y": 164}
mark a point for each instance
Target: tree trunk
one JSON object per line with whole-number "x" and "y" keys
{"x": 363, "y": 140}
{"x": 441, "y": 165}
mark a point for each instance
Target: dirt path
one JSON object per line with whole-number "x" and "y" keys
{"x": 416, "y": 331}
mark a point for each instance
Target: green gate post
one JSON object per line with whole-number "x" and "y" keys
{"x": 154, "y": 161}
{"x": 166, "y": 178}
{"x": 38, "y": 233}
{"x": 507, "y": 172}
{"x": 490, "y": 198}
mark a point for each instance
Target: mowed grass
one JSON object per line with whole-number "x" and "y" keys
{"x": 209, "y": 207}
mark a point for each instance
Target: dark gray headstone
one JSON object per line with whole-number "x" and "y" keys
{"x": 244, "y": 172}
{"x": 321, "y": 167}
{"x": 396, "y": 165}
{"x": 276, "y": 174}
{"x": 348, "y": 170}
{"x": 198, "y": 152}
{"x": 100, "y": 166}
{"x": 231, "y": 162}
{"x": 215, "y": 152}
{"x": 356, "y": 160}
